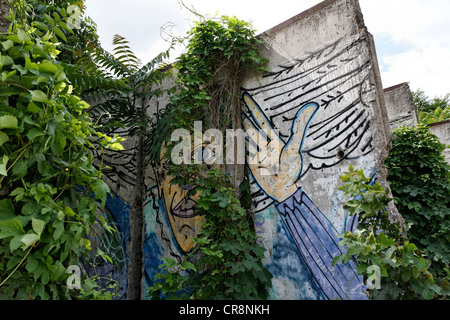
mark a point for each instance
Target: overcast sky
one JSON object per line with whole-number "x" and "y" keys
{"x": 412, "y": 36}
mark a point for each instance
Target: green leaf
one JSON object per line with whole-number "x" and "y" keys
{"x": 104, "y": 256}
{"x": 40, "y": 25}
{"x": 406, "y": 275}
{"x": 60, "y": 34}
{"x": 48, "y": 67}
{"x": 69, "y": 212}
{"x": 9, "y": 122}
{"x": 49, "y": 20}
{"x": 59, "y": 229}
{"x": 12, "y": 227}
{"x": 32, "y": 264}
{"x": 33, "y": 108}
{"x": 6, "y": 76}
{"x": 30, "y": 209}
{"x": 39, "y": 96}
{"x": 31, "y": 66}
{"x": 5, "y": 61}
{"x": 23, "y": 36}
{"x": 427, "y": 294}
{"x": 63, "y": 25}
{"x": 8, "y": 44}
{"x": 189, "y": 266}
{"x": 419, "y": 263}
{"x": 169, "y": 263}
{"x": 15, "y": 243}
{"x": 6, "y": 209}
{"x": 29, "y": 240}
{"x": 236, "y": 268}
{"x": 34, "y": 133}
{"x": 6, "y": 91}
{"x": 20, "y": 168}
{"x": 3, "y": 138}
{"x": 38, "y": 226}
{"x": 3, "y": 163}
{"x": 101, "y": 190}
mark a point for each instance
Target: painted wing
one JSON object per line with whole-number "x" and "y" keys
{"x": 337, "y": 78}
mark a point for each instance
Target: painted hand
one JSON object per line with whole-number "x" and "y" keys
{"x": 275, "y": 164}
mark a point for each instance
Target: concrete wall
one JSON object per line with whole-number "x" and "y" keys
{"x": 442, "y": 130}
{"x": 325, "y": 101}
{"x": 400, "y": 106}
{"x": 324, "y": 87}
{"x": 4, "y": 10}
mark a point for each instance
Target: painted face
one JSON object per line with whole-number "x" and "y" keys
{"x": 184, "y": 221}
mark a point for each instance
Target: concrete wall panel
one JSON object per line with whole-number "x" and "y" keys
{"x": 322, "y": 60}
{"x": 324, "y": 100}
{"x": 400, "y": 106}
{"x": 442, "y": 130}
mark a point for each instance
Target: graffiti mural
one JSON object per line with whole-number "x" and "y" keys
{"x": 120, "y": 175}
{"x": 319, "y": 108}
{"x": 113, "y": 244}
{"x": 317, "y": 116}
{"x": 170, "y": 222}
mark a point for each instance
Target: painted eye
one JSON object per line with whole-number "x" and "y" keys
{"x": 204, "y": 155}
{"x": 166, "y": 164}
{"x": 207, "y": 154}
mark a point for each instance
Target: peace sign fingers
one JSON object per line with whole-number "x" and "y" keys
{"x": 258, "y": 116}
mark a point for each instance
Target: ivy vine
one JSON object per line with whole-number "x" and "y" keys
{"x": 226, "y": 260}
{"x": 378, "y": 245}
{"x": 420, "y": 180}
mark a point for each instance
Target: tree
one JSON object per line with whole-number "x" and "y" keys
{"x": 121, "y": 87}
{"x": 431, "y": 110}
{"x": 4, "y": 22}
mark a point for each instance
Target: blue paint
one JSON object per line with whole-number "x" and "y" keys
{"x": 317, "y": 242}
{"x": 121, "y": 214}
{"x": 153, "y": 251}
{"x": 288, "y": 266}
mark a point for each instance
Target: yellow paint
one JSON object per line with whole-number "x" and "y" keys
{"x": 184, "y": 228}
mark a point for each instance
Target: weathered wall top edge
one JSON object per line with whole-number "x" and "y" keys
{"x": 301, "y": 16}
{"x": 439, "y": 123}
{"x": 397, "y": 86}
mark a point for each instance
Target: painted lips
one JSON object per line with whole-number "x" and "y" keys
{"x": 185, "y": 209}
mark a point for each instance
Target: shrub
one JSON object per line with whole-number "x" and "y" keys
{"x": 420, "y": 182}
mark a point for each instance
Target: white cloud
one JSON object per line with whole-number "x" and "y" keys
{"x": 140, "y": 21}
{"x": 425, "y": 68}
{"x": 413, "y": 42}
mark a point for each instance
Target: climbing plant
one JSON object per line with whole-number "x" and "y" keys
{"x": 395, "y": 267}
{"x": 226, "y": 260}
{"x": 49, "y": 187}
{"x": 420, "y": 180}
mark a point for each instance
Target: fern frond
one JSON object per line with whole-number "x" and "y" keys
{"x": 159, "y": 132}
{"x": 155, "y": 70}
{"x": 109, "y": 63}
{"x": 123, "y": 53}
